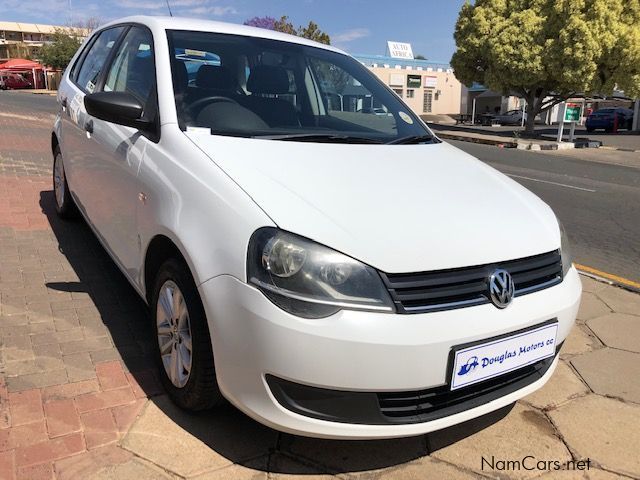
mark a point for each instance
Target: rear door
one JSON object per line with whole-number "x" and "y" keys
{"x": 77, "y": 144}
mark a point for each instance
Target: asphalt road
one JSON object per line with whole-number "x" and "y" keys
{"x": 598, "y": 203}
{"x": 27, "y": 103}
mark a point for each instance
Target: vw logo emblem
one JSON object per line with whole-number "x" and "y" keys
{"x": 501, "y": 288}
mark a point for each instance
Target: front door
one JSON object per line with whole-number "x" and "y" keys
{"x": 118, "y": 150}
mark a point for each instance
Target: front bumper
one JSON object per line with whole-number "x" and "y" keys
{"x": 360, "y": 352}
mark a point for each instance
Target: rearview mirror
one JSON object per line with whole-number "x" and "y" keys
{"x": 117, "y": 107}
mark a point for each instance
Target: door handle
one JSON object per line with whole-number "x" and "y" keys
{"x": 88, "y": 126}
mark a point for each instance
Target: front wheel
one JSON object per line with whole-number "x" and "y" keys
{"x": 183, "y": 342}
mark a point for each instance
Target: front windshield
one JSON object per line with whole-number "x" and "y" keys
{"x": 255, "y": 87}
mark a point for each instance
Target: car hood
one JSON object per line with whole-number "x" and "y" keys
{"x": 398, "y": 208}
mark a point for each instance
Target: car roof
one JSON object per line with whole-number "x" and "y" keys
{"x": 195, "y": 24}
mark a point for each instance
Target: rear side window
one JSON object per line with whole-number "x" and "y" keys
{"x": 95, "y": 59}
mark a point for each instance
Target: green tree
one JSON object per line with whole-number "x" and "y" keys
{"x": 284, "y": 25}
{"x": 59, "y": 52}
{"x": 549, "y": 50}
{"x": 314, "y": 33}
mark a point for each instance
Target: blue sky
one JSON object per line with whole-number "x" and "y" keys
{"x": 358, "y": 26}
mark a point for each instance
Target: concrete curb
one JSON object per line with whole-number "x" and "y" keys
{"x": 484, "y": 141}
{"x": 51, "y": 93}
{"x": 519, "y": 144}
{"x": 619, "y": 149}
{"x": 613, "y": 283}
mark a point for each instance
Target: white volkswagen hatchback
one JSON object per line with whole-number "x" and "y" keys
{"x": 329, "y": 270}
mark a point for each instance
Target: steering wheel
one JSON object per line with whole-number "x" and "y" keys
{"x": 211, "y": 99}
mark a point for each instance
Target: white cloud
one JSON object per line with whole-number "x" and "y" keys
{"x": 211, "y": 10}
{"x": 190, "y": 7}
{"x": 149, "y": 5}
{"x": 350, "y": 35}
{"x": 29, "y": 8}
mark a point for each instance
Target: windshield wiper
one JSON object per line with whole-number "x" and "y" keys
{"x": 413, "y": 139}
{"x": 320, "y": 137}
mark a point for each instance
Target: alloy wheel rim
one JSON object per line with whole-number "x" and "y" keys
{"x": 58, "y": 181}
{"x": 174, "y": 334}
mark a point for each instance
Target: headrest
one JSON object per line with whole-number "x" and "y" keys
{"x": 180, "y": 77}
{"x": 142, "y": 67}
{"x": 212, "y": 76}
{"x": 268, "y": 79}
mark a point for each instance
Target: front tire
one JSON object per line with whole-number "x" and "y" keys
{"x": 183, "y": 342}
{"x": 65, "y": 207}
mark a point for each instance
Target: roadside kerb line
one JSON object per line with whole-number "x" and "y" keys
{"x": 552, "y": 183}
{"x": 625, "y": 282}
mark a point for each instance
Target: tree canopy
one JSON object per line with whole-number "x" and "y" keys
{"x": 59, "y": 52}
{"x": 549, "y": 50}
{"x": 284, "y": 25}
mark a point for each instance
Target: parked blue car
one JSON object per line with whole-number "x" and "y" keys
{"x": 604, "y": 119}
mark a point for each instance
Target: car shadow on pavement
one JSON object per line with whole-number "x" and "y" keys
{"x": 111, "y": 303}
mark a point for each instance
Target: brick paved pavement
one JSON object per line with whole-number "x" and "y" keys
{"x": 79, "y": 397}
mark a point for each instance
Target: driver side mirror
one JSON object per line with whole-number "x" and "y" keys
{"x": 118, "y": 107}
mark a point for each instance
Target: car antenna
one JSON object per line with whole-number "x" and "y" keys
{"x": 169, "y": 8}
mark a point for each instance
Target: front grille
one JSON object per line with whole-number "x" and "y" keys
{"x": 426, "y": 405}
{"x": 465, "y": 287}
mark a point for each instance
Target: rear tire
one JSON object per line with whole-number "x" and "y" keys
{"x": 65, "y": 206}
{"x": 182, "y": 340}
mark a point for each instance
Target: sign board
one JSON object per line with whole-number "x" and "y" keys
{"x": 400, "y": 50}
{"x": 568, "y": 112}
{"x": 430, "y": 81}
{"x": 396, "y": 80}
{"x": 414, "y": 81}
{"x": 572, "y": 112}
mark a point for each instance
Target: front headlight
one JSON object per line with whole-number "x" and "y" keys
{"x": 311, "y": 280}
{"x": 565, "y": 250}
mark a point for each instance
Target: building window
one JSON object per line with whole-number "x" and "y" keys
{"x": 411, "y": 93}
{"x": 398, "y": 91}
{"x": 428, "y": 100}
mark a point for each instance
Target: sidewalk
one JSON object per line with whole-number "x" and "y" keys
{"x": 80, "y": 399}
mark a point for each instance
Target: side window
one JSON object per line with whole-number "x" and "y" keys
{"x": 133, "y": 69}
{"x": 95, "y": 59}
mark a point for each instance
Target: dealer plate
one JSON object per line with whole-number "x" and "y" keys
{"x": 495, "y": 357}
